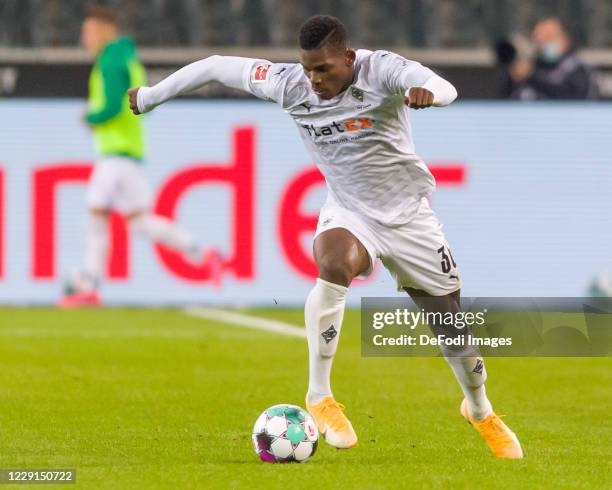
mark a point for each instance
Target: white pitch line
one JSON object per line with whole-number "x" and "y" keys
{"x": 225, "y": 316}
{"x": 247, "y": 321}
{"x": 97, "y": 334}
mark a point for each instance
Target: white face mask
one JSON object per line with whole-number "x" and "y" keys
{"x": 550, "y": 52}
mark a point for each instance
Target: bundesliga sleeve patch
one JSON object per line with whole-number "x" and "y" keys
{"x": 260, "y": 72}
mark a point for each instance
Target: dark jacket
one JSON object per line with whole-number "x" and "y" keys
{"x": 567, "y": 78}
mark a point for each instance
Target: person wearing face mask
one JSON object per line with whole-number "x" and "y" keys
{"x": 556, "y": 73}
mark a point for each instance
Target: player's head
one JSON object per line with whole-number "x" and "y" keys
{"x": 326, "y": 56}
{"x": 99, "y": 27}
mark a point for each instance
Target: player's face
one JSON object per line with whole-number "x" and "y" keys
{"x": 93, "y": 35}
{"x": 329, "y": 71}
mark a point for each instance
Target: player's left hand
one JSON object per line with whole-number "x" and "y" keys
{"x": 419, "y": 98}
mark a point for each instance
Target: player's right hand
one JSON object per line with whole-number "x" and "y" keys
{"x": 133, "y": 93}
{"x": 419, "y": 98}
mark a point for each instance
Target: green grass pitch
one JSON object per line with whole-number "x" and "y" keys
{"x": 136, "y": 398}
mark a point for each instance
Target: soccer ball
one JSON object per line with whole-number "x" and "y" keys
{"x": 285, "y": 433}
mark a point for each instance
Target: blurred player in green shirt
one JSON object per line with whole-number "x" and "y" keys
{"x": 118, "y": 182}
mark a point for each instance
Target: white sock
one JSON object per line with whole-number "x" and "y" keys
{"x": 471, "y": 374}
{"x": 96, "y": 248}
{"x": 166, "y": 232}
{"x": 323, "y": 313}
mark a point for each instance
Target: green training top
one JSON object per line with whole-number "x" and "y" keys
{"x": 117, "y": 131}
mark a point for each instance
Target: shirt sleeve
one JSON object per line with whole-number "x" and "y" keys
{"x": 444, "y": 92}
{"x": 267, "y": 80}
{"x": 247, "y": 74}
{"x": 399, "y": 75}
{"x": 116, "y": 81}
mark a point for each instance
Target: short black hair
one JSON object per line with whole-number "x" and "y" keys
{"x": 102, "y": 12}
{"x": 323, "y": 30}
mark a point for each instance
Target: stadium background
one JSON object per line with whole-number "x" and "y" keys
{"x": 157, "y": 397}
{"x": 522, "y": 187}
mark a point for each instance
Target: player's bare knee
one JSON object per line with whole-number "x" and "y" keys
{"x": 135, "y": 216}
{"x": 340, "y": 257}
{"x": 337, "y": 270}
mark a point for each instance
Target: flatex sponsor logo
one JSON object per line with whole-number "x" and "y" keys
{"x": 348, "y": 125}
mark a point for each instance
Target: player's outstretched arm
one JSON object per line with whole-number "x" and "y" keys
{"x": 228, "y": 70}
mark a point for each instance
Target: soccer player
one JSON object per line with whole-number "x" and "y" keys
{"x": 351, "y": 110}
{"x": 118, "y": 182}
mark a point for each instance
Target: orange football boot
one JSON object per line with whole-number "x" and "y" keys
{"x": 332, "y": 423}
{"x": 498, "y": 436}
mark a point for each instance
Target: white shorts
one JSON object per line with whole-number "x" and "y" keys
{"x": 416, "y": 254}
{"x": 119, "y": 184}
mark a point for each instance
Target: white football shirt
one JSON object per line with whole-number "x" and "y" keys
{"x": 360, "y": 140}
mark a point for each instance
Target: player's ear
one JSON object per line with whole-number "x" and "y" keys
{"x": 350, "y": 56}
